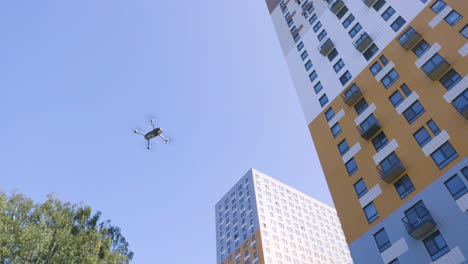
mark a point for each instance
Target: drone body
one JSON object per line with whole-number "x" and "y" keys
{"x": 156, "y": 132}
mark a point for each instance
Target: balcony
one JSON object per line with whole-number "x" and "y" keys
{"x": 409, "y": 38}
{"x": 335, "y": 6}
{"x": 461, "y": 103}
{"x": 326, "y": 46}
{"x": 390, "y": 168}
{"x": 418, "y": 221}
{"x": 369, "y": 127}
{"x": 369, "y": 3}
{"x": 363, "y": 42}
{"x": 435, "y": 67}
{"x": 352, "y": 95}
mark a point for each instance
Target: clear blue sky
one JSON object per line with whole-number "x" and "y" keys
{"x": 76, "y": 77}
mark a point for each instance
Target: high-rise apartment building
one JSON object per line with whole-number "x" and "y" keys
{"x": 383, "y": 87}
{"x": 263, "y": 221}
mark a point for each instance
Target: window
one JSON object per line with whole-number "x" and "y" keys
{"x": 333, "y": 53}
{"x": 351, "y": 166}
{"x": 406, "y": 90}
{"x": 312, "y": 19}
{"x": 396, "y": 261}
{"x": 461, "y": 101}
{"x": 390, "y": 162}
{"x": 371, "y": 212}
{"x": 388, "y": 13}
{"x": 433, "y": 126}
{"x": 322, "y": 35}
{"x": 323, "y": 100}
{"x": 396, "y": 98}
{"x": 384, "y": 60}
{"x": 436, "y": 245}
{"x": 422, "y": 136}
{"x": 345, "y": 77}
{"x": 450, "y": 79}
{"x": 293, "y": 30}
{"x": 381, "y": 238}
{"x": 317, "y": 26}
{"x": 375, "y": 68}
{"x": 421, "y": 48}
{"x": 464, "y": 171}
{"x": 444, "y": 155}
{"x": 348, "y": 21}
{"x": 379, "y": 141}
{"x": 404, "y": 186}
{"x": 313, "y": 76}
{"x": 338, "y": 65}
{"x": 308, "y": 65}
{"x": 432, "y": 63}
{"x": 452, "y": 18}
{"x": 397, "y": 24}
{"x": 336, "y": 129}
{"x": 463, "y": 32}
{"x": 360, "y": 188}
{"x": 300, "y": 46}
{"x": 370, "y": 52}
{"x": 329, "y": 114}
{"x": 304, "y": 55}
{"x": 360, "y": 106}
{"x": 390, "y": 78}
{"x": 290, "y": 22}
{"x": 342, "y": 12}
{"x": 438, "y": 6}
{"x": 318, "y": 87}
{"x": 343, "y": 147}
{"x": 456, "y": 187}
{"x": 297, "y": 38}
{"x": 355, "y": 30}
{"x": 378, "y": 4}
{"x": 413, "y": 112}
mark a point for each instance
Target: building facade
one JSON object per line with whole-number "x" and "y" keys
{"x": 383, "y": 87}
{"x": 263, "y": 221}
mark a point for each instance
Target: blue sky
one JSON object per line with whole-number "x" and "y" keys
{"x": 76, "y": 77}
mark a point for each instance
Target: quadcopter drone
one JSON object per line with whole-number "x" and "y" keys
{"x": 156, "y": 132}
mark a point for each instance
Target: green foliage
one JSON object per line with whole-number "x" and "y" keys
{"x": 57, "y": 233}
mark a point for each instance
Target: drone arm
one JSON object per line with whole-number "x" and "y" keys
{"x": 165, "y": 139}
{"x": 149, "y": 145}
{"x": 152, "y": 123}
{"x": 138, "y": 132}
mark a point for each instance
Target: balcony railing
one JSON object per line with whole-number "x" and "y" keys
{"x": 326, "y": 46}
{"x": 336, "y": 6}
{"x": 390, "y": 168}
{"x": 409, "y": 38}
{"x": 461, "y": 104}
{"x": 369, "y": 3}
{"x": 435, "y": 67}
{"x": 418, "y": 221}
{"x": 363, "y": 42}
{"x": 352, "y": 95}
{"x": 369, "y": 127}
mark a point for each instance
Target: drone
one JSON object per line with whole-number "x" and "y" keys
{"x": 156, "y": 132}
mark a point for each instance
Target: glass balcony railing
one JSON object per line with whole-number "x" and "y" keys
{"x": 336, "y": 6}
{"x": 409, "y": 38}
{"x": 352, "y": 95}
{"x": 369, "y": 127}
{"x": 363, "y": 42}
{"x": 390, "y": 168}
{"x": 418, "y": 221}
{"x": 461, "y": 104}
{"x": 369, "y": 3}
{"x": 326, "y": 46}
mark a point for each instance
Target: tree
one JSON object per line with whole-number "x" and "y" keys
{"x": 57, "y": 233}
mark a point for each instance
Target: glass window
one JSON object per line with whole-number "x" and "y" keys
{"x": 351, "y": 166}
{"x": 461, "y": 101}
{"x": 322, "y": 35}
{"x": 370, "y": 52}
{"x": 396, "y": 261}
{"x": 404, "y": 186}
{"x": 390, "y": 78}
{"x": 464, "y": 171}
{"x": 413, "y": 112}
{"x": 300, "y": 46}
{"x": 318, "y": 87}
{"x": 323, "y": 100}
{"x": 438, "y": 6}
{"x": 342, "y": 12}
{"x": 450, "y": 79}
{"x": 432, "y": 63}
{"x": 304, "y": 55}
{"x": 452, "y": 18}
{"x": 384, "y": 60}
{"x": 345, "y": 77}
{"x": 313, "y": 76}
{"x": 381, "y": 238}
{"x": 406, "y": 90}
{"x": 338, "y": 65}
{"x": 375, "y": 68}
{"x": 396, "y": 98}
{"x": 456, "y": 187}
{"x": 308, "y": 65}
{"x": 378, "y": 4}
{"x": 343, "y": 147}
{"x": 360, "y": 188}
{"x": 371, "y": 212}
{"x": 329, "y": 114}
{"x": 355, "y": 30}
{"x": 397, "y": 24}
{"x": 422, "y": 137}
{"x": 348, "y": 21}
{"x": 444, "y": 155}
{"x": 436, "y": 245}
{"x": 433, "y": 127}
{"x": 388, "y": 13}
{"x": 312, "y": 19}
{"x": 297, "y": 38}
{"x": 290, "y": 22}
{"x": 390, "y": 162}
{"x": 336, "y": 129}
{"x": 293, "y": 30}
{"x": 463, "y": 32}
{"x": 379, "y": 141}
{"x": 317, "y": 26}
{"x": 332, "y": 54}
{"x": 421, "y": 48}
{"x": 360, "y": 106}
